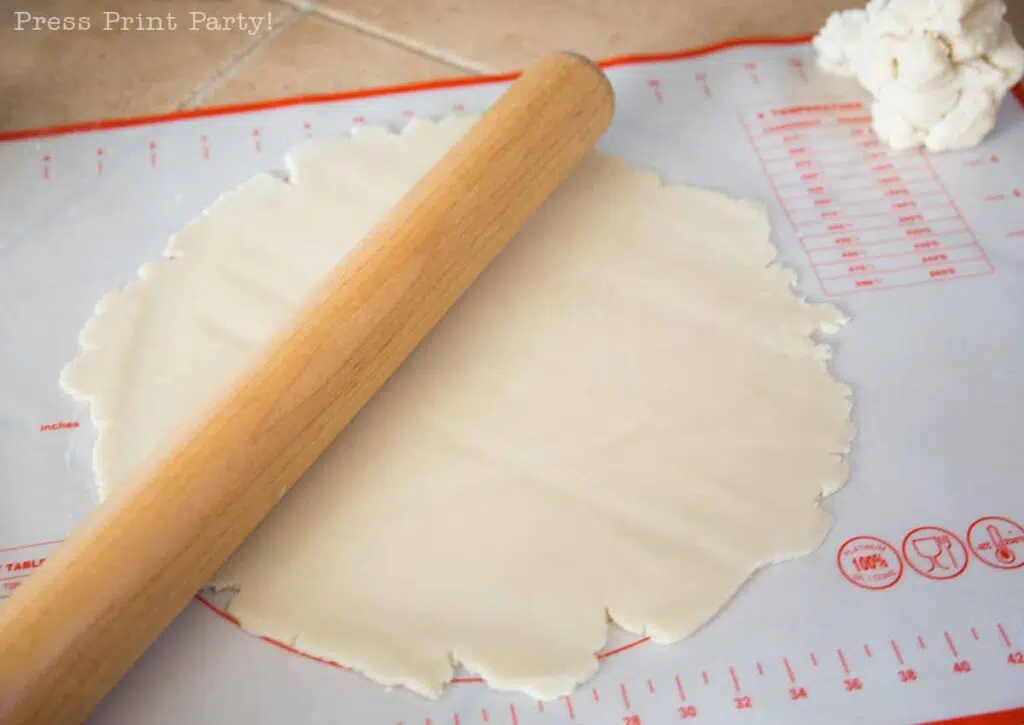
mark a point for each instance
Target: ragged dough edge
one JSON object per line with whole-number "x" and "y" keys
{"x": 122, "y": 308}
{"x": 96, "y": 369}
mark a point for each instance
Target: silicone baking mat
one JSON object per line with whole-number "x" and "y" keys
{"x": 913, "y": 608}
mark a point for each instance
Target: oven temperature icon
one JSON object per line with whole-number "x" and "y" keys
{"x": 997, "y": 542}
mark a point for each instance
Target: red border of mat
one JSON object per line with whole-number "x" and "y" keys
{"x": 1005, "y": 717}
{"x": 205, "y": 112}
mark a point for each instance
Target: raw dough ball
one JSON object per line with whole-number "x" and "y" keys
{"x": 626, "y": 415}
{"x": 938, "y": 69}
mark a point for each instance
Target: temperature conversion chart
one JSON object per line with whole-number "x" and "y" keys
{"x": 911, "y": 611}
{"x": 866, "y": 216}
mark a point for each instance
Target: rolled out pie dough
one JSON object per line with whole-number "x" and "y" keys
{"x": 624, "y": 417}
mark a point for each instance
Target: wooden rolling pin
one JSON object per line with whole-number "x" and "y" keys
{"x": 79, "y": 623}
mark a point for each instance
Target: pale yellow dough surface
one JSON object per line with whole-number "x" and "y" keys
{"x": 627, "y": 415}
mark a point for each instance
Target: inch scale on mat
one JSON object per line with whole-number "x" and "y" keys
{"x": 862, "y": 225}
{"x": 859, "y": 671}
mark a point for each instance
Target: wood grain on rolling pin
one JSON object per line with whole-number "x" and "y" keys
{"x": 77, "y": 625}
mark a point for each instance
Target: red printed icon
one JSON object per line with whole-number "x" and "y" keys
{"x": 869, "y": 562}
{"x": 997, "y": 542}
{"x": 935, "y": 552}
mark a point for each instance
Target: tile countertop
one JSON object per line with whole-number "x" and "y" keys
{"x": 79, "y": 60}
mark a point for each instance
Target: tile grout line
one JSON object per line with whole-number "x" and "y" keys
{"x": 195, "y": 98}
{"x": 339, "y": 18}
